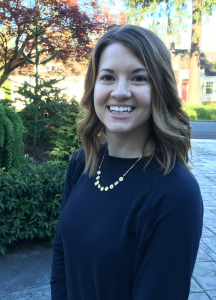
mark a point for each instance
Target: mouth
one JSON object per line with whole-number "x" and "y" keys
{"x": 120, "y": 110}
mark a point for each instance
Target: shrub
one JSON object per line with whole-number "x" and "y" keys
{"x": 197, "y": 112}
{"x": 11, "y": 135}
{"x": 49, "y": 115}
{"x": 47, "y": 110}
{"x": 30, "y": 201}
{"x": 65, "y": 139}
{"x": 191, "y": 113}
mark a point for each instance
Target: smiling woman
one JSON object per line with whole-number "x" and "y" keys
{"x": 132, "y": 212}
{"x": 125, "y": 60}
{"x": 123, "y": 84}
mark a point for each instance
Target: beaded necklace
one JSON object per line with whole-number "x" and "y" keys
{"x": 102, "y": 188}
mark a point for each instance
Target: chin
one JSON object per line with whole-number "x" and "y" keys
{"x": 118, "y": 130}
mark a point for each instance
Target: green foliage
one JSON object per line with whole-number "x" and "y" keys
{"x": 210, "y": 103}
{"x": 214, "y": 64}
{"x": 196, "y": 35}
{"x": 11, "y": 134}
{"x": 37, "y": 94}
{"x": 168, "y": 16}
{"x": 30, "y": 201}
{"x": 201, "y": 112}
{"x": 49, "y": 109}
{"x": 65, "y": 139}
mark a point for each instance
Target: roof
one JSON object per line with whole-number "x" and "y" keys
{"x": 69, "y": 68}
{"x": 211, "y": 56}
{"x": 184, "y": 59}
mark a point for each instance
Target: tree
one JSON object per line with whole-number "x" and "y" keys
{"x": 195, "y": 51}
{"x": 168, "y": 16}
{"x": 71, "y": 28}
{"x": 37, "y": 97}
{"x": 174, "y": 10}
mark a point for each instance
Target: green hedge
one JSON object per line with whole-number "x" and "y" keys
{"x": 11, "y": 137}
{"x": 30, "y": 201}
{"x": 202, "y": 112}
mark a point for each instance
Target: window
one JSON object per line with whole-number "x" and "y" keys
{"x": 209, "y": 87}
{"x": 48, "y": 67}
{"x": 42, "y": 68}
{"x": 56, "y": 68}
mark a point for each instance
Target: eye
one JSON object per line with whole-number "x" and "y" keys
{"x": 139, "y": 78}
{"x": 107, "y": 77}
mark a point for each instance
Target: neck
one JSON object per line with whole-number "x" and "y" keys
{"x": 120, "y": 145}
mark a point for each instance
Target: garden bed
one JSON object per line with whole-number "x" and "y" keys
{"x": 42, "y": 148}
{"x": 35, "y": 243}
{"x": 27, "y": 244}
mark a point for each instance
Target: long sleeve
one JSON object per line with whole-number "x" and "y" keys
{"x": 169, "y": 229}
{"x": 58, "y": 274}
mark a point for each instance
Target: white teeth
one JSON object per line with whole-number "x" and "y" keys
{"x": 116, "y": 108}
{"x": 120, "y": 110}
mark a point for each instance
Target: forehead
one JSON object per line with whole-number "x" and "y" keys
{"x": 117, "y": 54}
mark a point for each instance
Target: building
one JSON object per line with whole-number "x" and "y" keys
{"x": 73, "y": 84}
{"x": 181, "y": 59}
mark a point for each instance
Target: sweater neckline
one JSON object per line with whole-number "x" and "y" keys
{"x": 119, "y": 160}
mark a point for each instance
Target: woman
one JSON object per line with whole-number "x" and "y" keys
{"x": 131, "y": 217}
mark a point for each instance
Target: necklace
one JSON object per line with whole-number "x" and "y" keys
{"x": 97, "y": 183}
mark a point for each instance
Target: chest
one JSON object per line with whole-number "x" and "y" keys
{"x": 102, "y": 225}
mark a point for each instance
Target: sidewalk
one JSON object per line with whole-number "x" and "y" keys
{"x": 26, "y": 275}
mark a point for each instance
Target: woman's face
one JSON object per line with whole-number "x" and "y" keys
{"x": 122, "y": 93}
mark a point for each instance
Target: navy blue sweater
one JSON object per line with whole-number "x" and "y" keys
{"x": 138, "y": 241}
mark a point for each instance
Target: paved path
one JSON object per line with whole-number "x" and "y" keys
{"x": 26, "y": 275}
{"x": 203, "y": 283}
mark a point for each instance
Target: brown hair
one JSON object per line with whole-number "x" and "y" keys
{"x": 169, "y": 124}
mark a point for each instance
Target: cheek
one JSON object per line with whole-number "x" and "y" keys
{"x": 97, "y": 96}
{"x": 99, "y": 101}
{"x": 148, "y": 96}
{"x": 101, "y": 94}
{"x": 144, "y": 98}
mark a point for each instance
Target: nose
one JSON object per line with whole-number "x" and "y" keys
{"x": 121, "y": 90}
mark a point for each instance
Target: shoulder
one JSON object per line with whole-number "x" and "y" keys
{"x": 179, "y": 187}
{"x": 77, "y": 161}
{"x": 76, "y": 166}
{"x": 180, "y": 176}
{"x": 77, "y": 157}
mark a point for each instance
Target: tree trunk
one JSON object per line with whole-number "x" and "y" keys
{"x": 36, "y": 89}
{"x": 194, "y": 69}
{"x": 3, "y": 78}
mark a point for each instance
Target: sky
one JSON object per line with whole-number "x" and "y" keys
{"x": 208, "y": 42}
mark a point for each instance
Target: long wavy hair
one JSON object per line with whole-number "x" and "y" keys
{"x": 169, "y": 124}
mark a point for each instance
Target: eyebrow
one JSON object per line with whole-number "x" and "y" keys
{"x": 134, "y": 71}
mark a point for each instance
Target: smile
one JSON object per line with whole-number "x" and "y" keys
{"x": 120, "y": 110}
